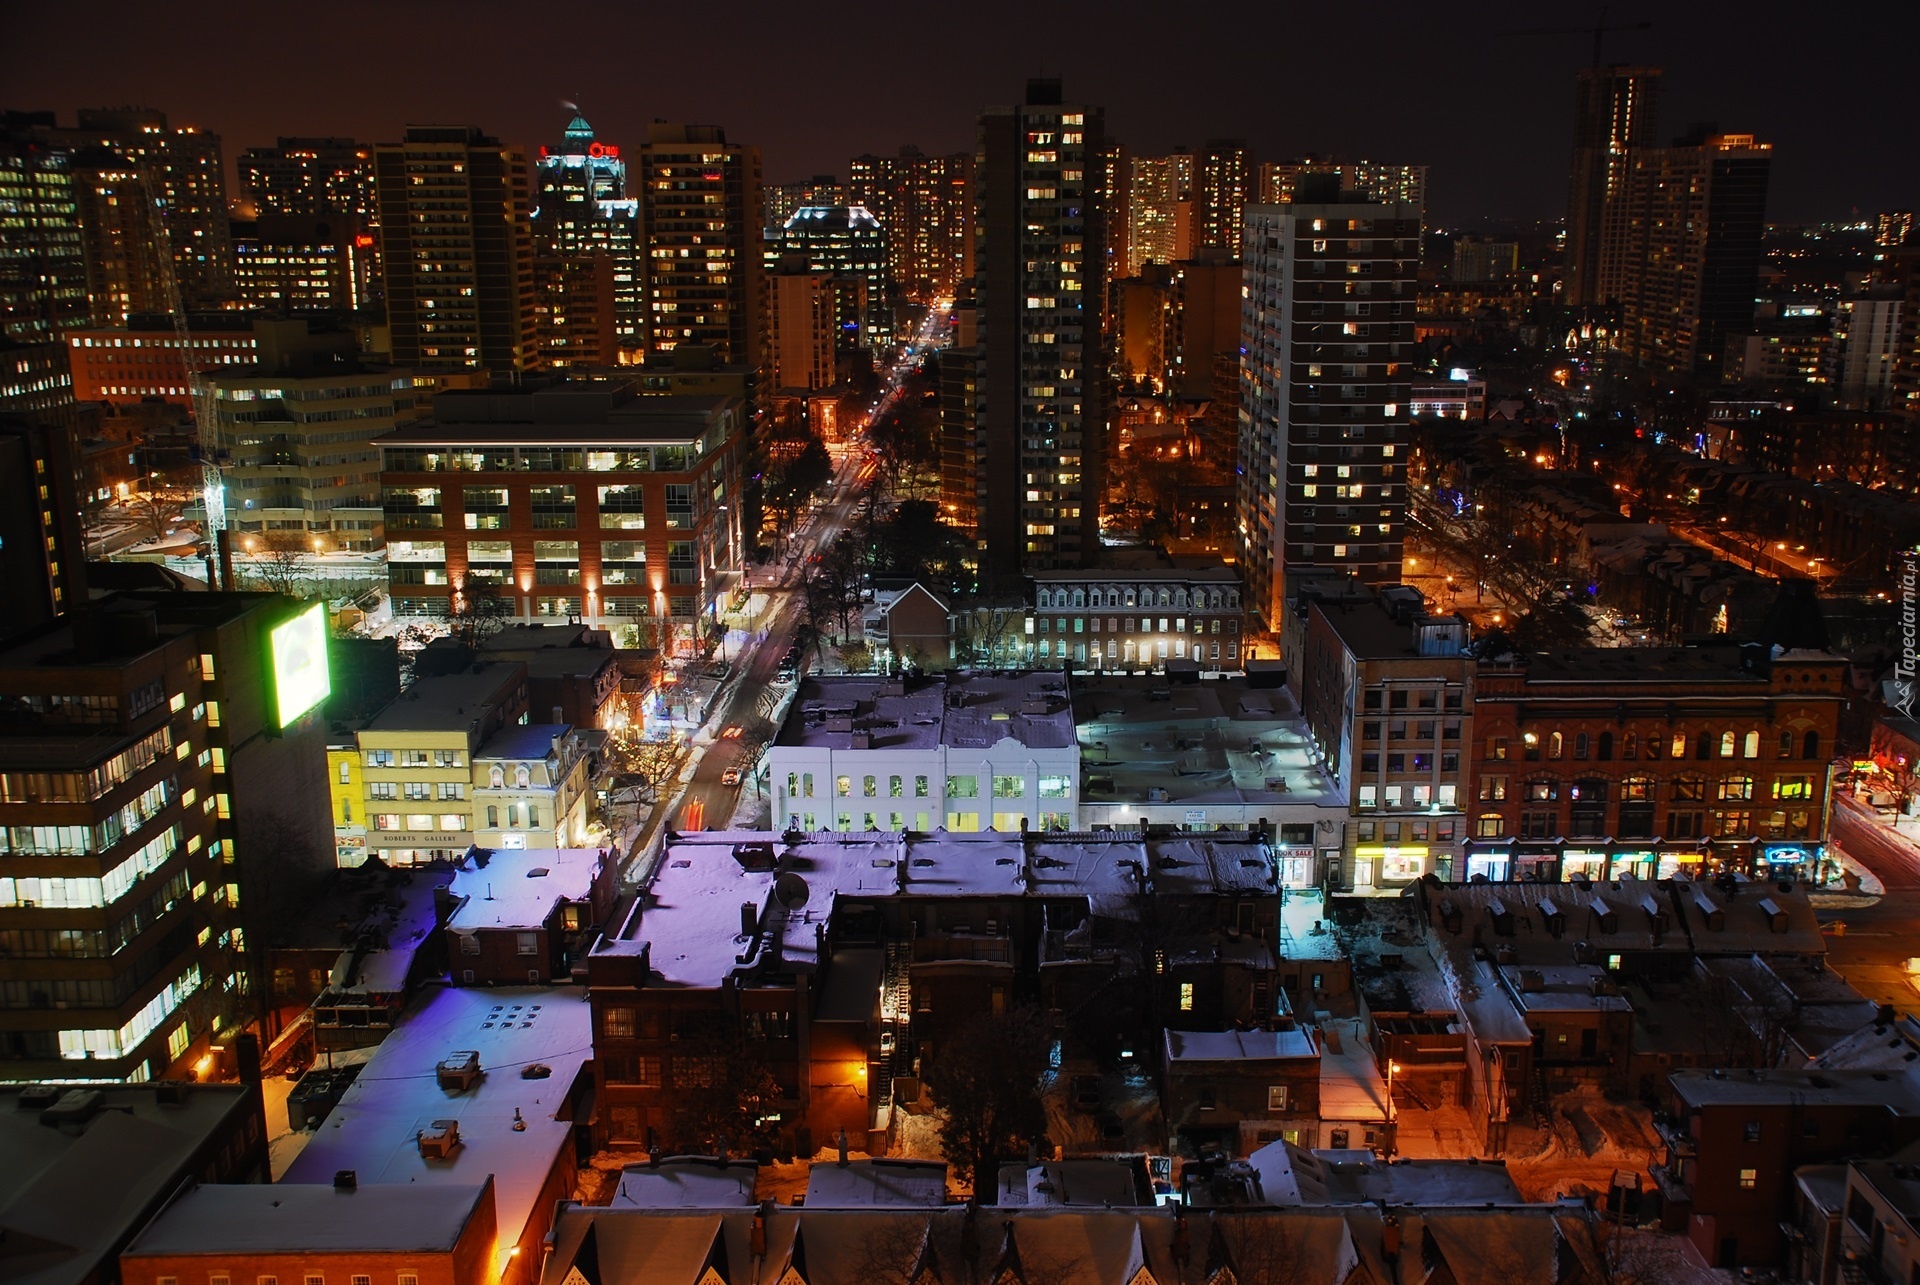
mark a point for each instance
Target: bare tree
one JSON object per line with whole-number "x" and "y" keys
{"x": 478, "y": 611}
{"x": 986, "y": 1082}
{"x": 278, "y": 561}
{"x": 156, "y": 511}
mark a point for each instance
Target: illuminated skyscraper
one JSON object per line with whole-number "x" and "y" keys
{"x": 701, "y": 214}
{"x": 43, "y": 270}
{"x": 1222, "y": 187}
{"x": 782, "y": 199}
{"x": 321, "y": 178}
{"x": 1367, "y": 180}
{"x": 1041, "y": 282}
{"x": 456, "y": 239}
{"x": 1327, "y": 335}
{"x": 583, "y": 210}
{"x": 847, "y": 242}
{"x": 1684, "y": 264}
{"x": 180, "y": 174}
{"x": 1616, "y": 111}
{"x": 310, "y": 176}
{"x": 1159, "y": 210}
{"x": 925, "y": 204}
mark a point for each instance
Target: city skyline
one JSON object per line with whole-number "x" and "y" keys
{"x": 1497, "y": 148}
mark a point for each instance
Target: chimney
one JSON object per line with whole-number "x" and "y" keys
{"x": 749, "y": 918}
{"x": 246, "y": 1054}
{"x": 345, "y": 1180}
{"x": 840, "y": 1140}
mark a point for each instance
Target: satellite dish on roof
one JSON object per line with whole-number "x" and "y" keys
{"x": 791, "y": 891}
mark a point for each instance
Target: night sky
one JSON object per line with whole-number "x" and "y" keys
{"x": 814, "y": 82}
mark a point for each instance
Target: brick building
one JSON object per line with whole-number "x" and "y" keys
{"x": 1652, "y": 762}
{"x": 418, "y": 1235}
{"x": 579, "y": 500}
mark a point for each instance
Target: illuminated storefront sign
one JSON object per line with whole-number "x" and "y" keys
{"x": 1296, "y": 866}
{"x": 1395, "y": 862}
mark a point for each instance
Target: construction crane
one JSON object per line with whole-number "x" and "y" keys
{"x": 1599, "y": 30}
{"x": 213, "y": 487}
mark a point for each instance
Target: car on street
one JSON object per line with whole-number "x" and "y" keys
{"x": 732, "y": 733}
{"x": 730, "y": 777}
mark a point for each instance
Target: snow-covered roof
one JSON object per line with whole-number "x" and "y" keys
{"x": 957, "y": 710}
{"x": 374, "y": 1129}
{"x": 1351, "y": 1086}
{"x": 518, "y": 888}
{"x": 67, "y": 1196}
{"x": 863, "y": 1183}
{"x": 292, "y": 1218}
{"x": 1293, "y": 1175}
{"x": 688, "y": 1182}
{"x": 1097, "y": 1182}
{"x": 1239, "y": 1046}
{"x": 689, "y": 917}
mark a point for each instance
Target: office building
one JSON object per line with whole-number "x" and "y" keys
{"x": 804, "y": 327}
{"x": 1388, "y": 693}
{"x": 142, "y": 360}
{"x": 1616, "y": 113}
{"x": 1689, "y": 235}
{"x": 1476, "y": 259}
{"x": 310, "y": 177}
{"x": 43, "y": 267}
{"x": 586, "y": 236}
{"x": 456, "y": 243}
{"x": 1203, "y": 322}
{"x": 43, "y": 556}
{"x": 303, "y": 263}
{"x": 1904, "y": 268}
{"x": 1223, "y": 186}
{"x": 122, "y": 238}
{"x": 1160, "y": 210}
{"x": 1327, "y": 334}
{"x": 164, "y": 769}
{"x": 1869, "y": 325}
{"x": 575, "y": 499}
{"x": 925, "y": 204}
{"x": 780, "y": 200}
{"x": 1136, "y": 617}
{"x": 35, "y": 381}
{"x": 296, "y": 435}
{"x": 701, "y": 212}
{"x": 847, "y": 242}
{"x": 174, "y": 176}
{"x": 1042, "y": 282}
{"x": 1378, "y": 182}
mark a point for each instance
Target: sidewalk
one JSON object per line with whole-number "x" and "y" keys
{"x": 1859, "y": 887}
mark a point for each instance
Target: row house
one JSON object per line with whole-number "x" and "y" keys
{"x": 1652, "y": 762}
{"x": 840, "y": 962}
{"x": 1136, "y": 618}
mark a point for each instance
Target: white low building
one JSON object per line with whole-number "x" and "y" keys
{"x": 959, "y": 752}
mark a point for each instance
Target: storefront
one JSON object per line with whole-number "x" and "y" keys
{"x": 1390, "y": 863}
{"x": 1296, "y": 866}
{"x": 1794, "y": 860}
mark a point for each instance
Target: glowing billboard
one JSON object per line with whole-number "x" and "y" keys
{"x": 297, "y": 650}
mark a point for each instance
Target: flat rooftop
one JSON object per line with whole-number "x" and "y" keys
{"x": 373, "y": 1131}
{"x": 1898, "y": 1091}
{"x": 519, "y": 887}
{"x": 957, "y": 711}
{"x": 1371, "y": 632}
{"x": 293, "y": 1218}
{"x": 448, "y": 702}
{"x": 688, "y": 1182}
{"x": 1645, "y": 664}
{"x": 860, "y": 1184}
{"x": 66, "y": 1198}
{"x": 1239, "y": 1046}
{"x": 524, "y": 741}
{"x": 688, "y": 916}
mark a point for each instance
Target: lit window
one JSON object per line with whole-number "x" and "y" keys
{"x": 1749, "y": 1179}
{"x": 1186, "y": 997}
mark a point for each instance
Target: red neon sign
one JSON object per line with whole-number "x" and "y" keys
{"x": 603, "y": 149}
{"x": 362, "y": 241}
